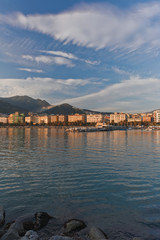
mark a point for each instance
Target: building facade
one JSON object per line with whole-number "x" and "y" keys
{"x": 94, "y": 118}
{"x": 118, "y": 117}
{"x": 77, "y": 118}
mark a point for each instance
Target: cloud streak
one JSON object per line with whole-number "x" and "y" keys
{"x": 49, "y": 60}
{"x": 30, "y": 70}
{"x": 134, "y": 94}
{"x": 97, "y": 26}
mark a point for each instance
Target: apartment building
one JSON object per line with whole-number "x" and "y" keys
{"x": 77, "y": 118}
{"x": 94, "y": 118}
{"x": 62, "y": 118}
{"x": 16, "y": 118}
{"x": 54, "y": 118}
{"x": 156, "y": 116}
{"x": 3, "y": 119}
{"x": 118, "y": 117}
{"x": 44, "y": 119}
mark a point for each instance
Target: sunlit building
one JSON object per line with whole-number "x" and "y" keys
{"x": 16, "y": 118}
{"x": 94, "y": 118}
{"x": 156, "y": 116}
{"x": 118, "y": 117}
{"x": 3, "y": 119}
{"x": 77, "y": 118}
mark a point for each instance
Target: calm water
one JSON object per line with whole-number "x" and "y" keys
{"x": 111, "y": 179}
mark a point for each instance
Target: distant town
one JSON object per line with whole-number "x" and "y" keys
{"x": 117, "y": 119}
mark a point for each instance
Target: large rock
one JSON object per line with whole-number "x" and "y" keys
{"x": 2, "y": 215}
{"x": 57, "y": 237}
{"x": 73, "y": 225}
{"x": 137, "y": 238}
{"x": 12, "y": 234}
{"x": 16, "y": 229}
{"x": 30, "y": 235}
{"x": 41, "y": 219}
{"x": 97, "y": 234}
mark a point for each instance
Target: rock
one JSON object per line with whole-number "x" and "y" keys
{"x": 2, "y": 215}
{"x": 30, "y": 235}
{"x": 60, "y": 238}
{"x": 11, "y": 235}
{"x": 28, "y": 225}
{"x": 137, "y": 238}
{"x": 73, "y": 225}
{"x": 14, "y": 232}
{"x": 41, "y": 219}
{"x": 97, "y": 234}
{"x": 2, "y": 232}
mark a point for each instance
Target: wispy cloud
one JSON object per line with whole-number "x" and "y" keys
{"x": 98, "y": 26}
{"x": 61, "y": 54}
{"x": 38, "y": 87}
{"x": 49, "y": 60}
{"x": 70, "y": 56}
{"x": 134, "y": 94}
{"x": 120, "y": 71}
{"x": 30, "y": 70}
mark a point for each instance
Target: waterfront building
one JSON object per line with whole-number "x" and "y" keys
{"x": 134, "y": 119}
{"x": 156, "y": 116}
{"x": 94, "y": 118}
{"x": 147, "y": 118}
{"x": 44, "y": 119}
{"x": 3, "y": 119}
{"x": 77, "y": 118}
{"x": 32, "y": 119}
{"x": 16, "y": 118}
{"x": 118, "y": 117}
{"x": 62, "y": 118}
{"x": 54, "y": 118}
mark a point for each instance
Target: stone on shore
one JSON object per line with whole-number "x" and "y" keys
{"x": 73, "y": 225}
{"x": 97, "y": 234}
{"x": 12, "y": 234}
{"x": 30, "y": 235}
{"x": 60, "y": 238}
{"x": 137, "y": 238}
{"x": 2, "y": 215}
{"x": 41, "y": 220}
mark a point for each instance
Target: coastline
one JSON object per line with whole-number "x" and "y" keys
{"x": 42, "y": 226}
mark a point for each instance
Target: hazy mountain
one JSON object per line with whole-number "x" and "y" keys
{"x": 64, "y": 109}
{"x": 67, "y": 109}
{"x": 25, "y": 103}
{"x": 8, "y": 108}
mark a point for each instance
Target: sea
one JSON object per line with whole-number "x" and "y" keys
{"x": 108, "y": 179}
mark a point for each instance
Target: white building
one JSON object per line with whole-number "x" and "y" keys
{"x": 156, "y": 116}
{"x": 94, "y": 118}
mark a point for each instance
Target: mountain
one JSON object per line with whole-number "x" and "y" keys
{"x": 24, "y": 103}
{"x": 7, "y": 108}
{"x": 65, "y": 109}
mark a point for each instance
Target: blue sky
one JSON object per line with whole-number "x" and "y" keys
{"x": 100, "y": 55}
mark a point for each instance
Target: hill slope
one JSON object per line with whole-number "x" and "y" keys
{"x": 65, "y": 109}
{"x": 8, "y": 108}
{"x": 25, "y": 103}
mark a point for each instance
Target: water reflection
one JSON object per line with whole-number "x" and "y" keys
{"x": 112, "y": 178}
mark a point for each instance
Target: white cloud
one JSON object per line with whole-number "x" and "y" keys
{"x": 70, "y": 56}
{"x": 41, "y": 87}
{"x": 49, "y": 60}
{"x": 120, "y": 71}
{"x": 97, "y": 26}
{"x": 30, "y": 70}
{"x": 61, "y": 54}
{"x": 134, "y": 94}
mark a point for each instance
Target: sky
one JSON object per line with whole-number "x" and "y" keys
{"x": 101, "y": 55}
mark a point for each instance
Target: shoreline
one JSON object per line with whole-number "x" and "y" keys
{"x": 42, "y": 226}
